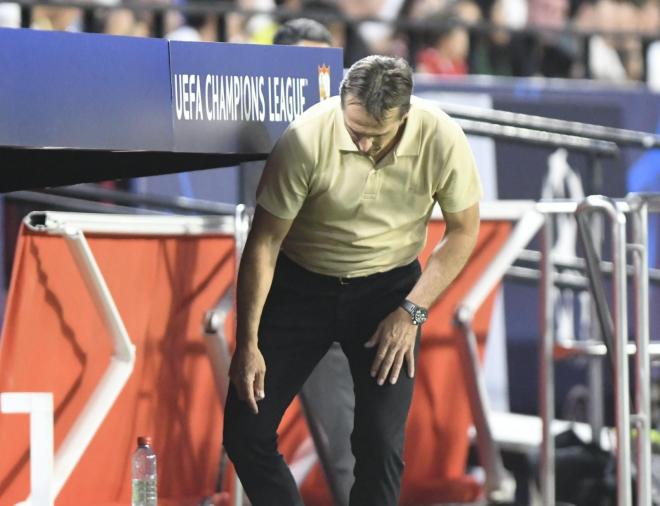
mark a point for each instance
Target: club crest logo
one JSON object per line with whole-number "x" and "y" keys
{"x": 324, "y": 82}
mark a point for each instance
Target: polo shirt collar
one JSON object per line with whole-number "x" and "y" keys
{"x": 409, "y": 145}
{"x": 342, "y": 138}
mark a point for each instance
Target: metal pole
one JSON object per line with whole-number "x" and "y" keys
{"x": 241, "y": 230}
{"x": 619, "y": 296}
{"x": 642, "y": 363}
{"x": 595, "y": 368}
{"x": 595, "y": 372}
{"x": 489, "y": 451}
{"x": 621, "y": 380}
{"x": 546, "y": 367}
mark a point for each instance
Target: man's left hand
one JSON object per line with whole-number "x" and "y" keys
{"x": 395, "y": 337}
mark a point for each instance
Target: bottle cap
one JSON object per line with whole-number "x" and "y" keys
{"x": 144, "y": 441}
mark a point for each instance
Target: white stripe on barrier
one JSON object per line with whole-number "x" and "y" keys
{"x": 40, "y": 408}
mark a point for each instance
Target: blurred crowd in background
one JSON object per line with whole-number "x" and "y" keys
{"x": 613, "y": 40}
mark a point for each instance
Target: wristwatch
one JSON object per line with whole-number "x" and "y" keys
{"x": 418, "y": 315}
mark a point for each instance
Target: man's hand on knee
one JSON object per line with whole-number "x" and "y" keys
{"x": 248, "y": 372}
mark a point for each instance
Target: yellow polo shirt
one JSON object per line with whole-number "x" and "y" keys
{"x": 354, "y": 218}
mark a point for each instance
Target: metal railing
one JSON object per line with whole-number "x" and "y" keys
{"x": 620, "y": 340}
{"x": 637, "y": 207}
{"x": 620, "y": 136}
{"x": 532, "y": 219}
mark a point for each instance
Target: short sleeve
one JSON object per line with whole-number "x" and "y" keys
{"x": 284, "y": 183}
{"x": 460, "y": 186}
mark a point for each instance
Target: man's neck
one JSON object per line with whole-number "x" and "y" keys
{"x": 391, "y": 145}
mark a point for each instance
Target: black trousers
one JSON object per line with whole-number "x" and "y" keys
{"x": 304, "y": 314}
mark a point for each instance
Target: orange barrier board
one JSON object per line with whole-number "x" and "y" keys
{"x": 53, "y": 340}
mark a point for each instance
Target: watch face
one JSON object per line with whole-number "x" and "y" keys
{"x": 420, "y": 316}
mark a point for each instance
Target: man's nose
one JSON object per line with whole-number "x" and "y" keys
{"x": 365, "y": 144}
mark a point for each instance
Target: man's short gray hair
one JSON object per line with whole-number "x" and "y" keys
{"x": 379, "y": 83}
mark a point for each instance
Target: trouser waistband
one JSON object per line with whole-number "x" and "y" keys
{"x": 289, "y": 267}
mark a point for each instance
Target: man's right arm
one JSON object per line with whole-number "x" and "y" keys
{"x": 247, "y": 371}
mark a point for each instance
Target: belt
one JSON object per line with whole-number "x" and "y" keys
{"x": 300, "y": 272}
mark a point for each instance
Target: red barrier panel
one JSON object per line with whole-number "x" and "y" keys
{"x": 53, "y": 340}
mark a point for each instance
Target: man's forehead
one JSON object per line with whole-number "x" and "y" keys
{"x": 356, "y": 115}
{"x": 356, "y": 105}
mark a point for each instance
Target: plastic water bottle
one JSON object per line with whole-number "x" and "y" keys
{"x": 144, "y": 474}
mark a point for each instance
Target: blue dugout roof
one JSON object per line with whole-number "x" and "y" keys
{"x": 87, "y": 107}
